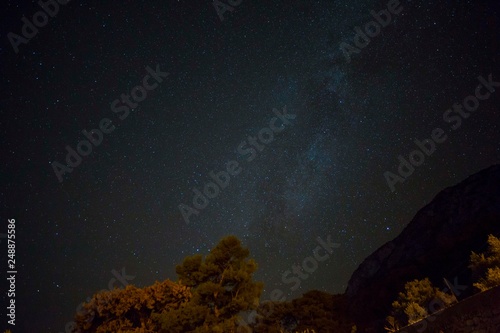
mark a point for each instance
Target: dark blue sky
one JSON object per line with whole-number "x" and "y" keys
{"x": 322, "y": 175}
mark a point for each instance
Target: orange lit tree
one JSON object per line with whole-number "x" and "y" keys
{"x": 222, "y": 287}
{"x": 129, "y": 310}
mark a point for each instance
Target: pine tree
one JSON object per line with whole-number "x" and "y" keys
{"x": 222, "y": 287}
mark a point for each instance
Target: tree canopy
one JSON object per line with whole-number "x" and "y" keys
{"x": 315, "y": 310}
{"x": 486, "y": 266}
{"x": 209, "y": 295}
{"x": 419, "y": 299}
{"x": 222, "y": 287}
{"x": 129, "y": 310}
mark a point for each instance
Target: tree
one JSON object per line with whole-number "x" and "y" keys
{"x": 129, "y": 309}
{"x": 222, "y": 287}
{"x": 419, "y": 297}
{"x": 486, "y": 266}
{"x": 492, "y": 279}
{"x": 415, "y": 312}
{"x": 315, "y": 310}
{"x": 392, "y": 324}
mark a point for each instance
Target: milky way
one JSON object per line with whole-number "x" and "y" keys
{"x": 321, "y": 176}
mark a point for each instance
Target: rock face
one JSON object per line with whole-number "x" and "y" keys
{"x": 437, "y": 244}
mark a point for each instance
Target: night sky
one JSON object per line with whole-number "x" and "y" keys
{"x": 218, "y": 84}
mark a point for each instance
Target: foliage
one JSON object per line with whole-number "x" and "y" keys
{"x": 492, "y": 279}
{"x": 486, "y": 266}
{"x": 211, "y": 294}
{"x": 129, "y": 310}
{"x": 415, "y": 312}
{"x": 315, "y": 310}
{"x": 222, "y": 287}
{"x": 412, "y": 304}
{"x": 392, "y": 324}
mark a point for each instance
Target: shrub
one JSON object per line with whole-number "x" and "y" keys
{"x": 486, "y": 266}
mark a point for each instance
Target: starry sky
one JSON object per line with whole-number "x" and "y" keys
{"x": 322, "y": 175}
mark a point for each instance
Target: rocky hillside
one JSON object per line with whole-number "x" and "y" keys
{"x": 437, "y": 244}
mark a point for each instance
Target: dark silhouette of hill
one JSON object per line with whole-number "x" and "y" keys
{"x": 437, "y": 243}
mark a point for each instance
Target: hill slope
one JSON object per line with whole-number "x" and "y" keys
{"x": 437, "y": 243}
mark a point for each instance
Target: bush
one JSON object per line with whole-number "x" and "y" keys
{"x": 492, "y": 279}
{"x": 486, "y": 266}
{"x": 415, "y": 313}
{"x": 412, "y": 304}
